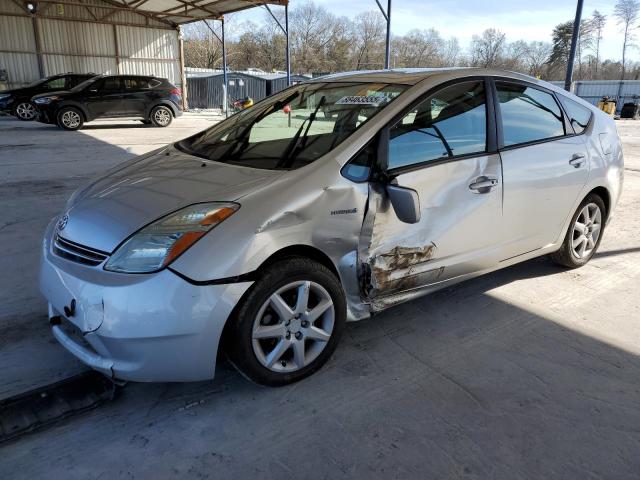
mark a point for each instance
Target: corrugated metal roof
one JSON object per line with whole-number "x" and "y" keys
{"x": 172, "y": 12}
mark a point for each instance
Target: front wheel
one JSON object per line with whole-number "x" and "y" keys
{"x": 70, "y": 118}
{"x": 161, "y": 116}
{"x": 25, "y": 111}
{"x": 288, "y": 324}
{"x": 584, "y": 234}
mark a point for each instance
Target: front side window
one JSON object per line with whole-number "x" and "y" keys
{"x": 55, "y": 84}
{"x": 449, "y": 123}
{"x": 112, "y": 84}
{"x": 579, "y": 115}
{"x": 528, "y": 114}
{"x": 294, "y": 127}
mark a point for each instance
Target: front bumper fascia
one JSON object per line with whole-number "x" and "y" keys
{"x": 150, "y": 327}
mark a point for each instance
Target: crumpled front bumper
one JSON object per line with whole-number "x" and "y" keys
{"x": 147, "y": 327}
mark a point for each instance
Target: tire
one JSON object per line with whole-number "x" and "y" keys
{"x": 578, "y": 248}
{"x": 70, "y": 118}
{"x": 258, "y": 332}
{"x": 25, "y": 111}
{"x": 161, "y": 116}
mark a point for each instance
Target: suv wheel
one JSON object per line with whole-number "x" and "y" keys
{"x": 161, "y": 116}
{"x": 584, "y": 234}
{"x": 288, "y": 324}
{"x": 25, "y": 111}
{"x": 70, "y": 118}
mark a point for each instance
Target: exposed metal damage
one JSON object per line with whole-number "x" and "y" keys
{"x": 386, "y": 268}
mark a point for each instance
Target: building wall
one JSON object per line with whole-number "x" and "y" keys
{"x": 65, "y": 38}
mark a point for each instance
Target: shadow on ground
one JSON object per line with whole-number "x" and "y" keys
{"x": 459, "y": 384}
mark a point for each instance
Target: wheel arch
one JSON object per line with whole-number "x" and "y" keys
{"x": 298, "y": 250}
{"x": 161, "y": 103}
{"x": 604, "y": 194}
{"x": 78, "y": 106}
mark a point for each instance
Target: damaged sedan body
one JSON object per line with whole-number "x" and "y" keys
{"x": 325, "y": 203}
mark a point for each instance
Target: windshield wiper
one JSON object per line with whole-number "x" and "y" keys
{"x": 292, "y": 149}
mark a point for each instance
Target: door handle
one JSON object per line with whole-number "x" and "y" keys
{"x": 483, "y": 184}
{"x": 577, "y": 160}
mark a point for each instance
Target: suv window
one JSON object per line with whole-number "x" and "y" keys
{"x": 528, "y": 114}
{"x": 111, "y": 84}
{"x": 449, "y": 123}
{"x": 135, "y": 83}
{"x": 579, "y": 116}
{"x": 55, "y": 84}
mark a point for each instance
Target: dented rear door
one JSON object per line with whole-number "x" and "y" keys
{"x": 460, "y": 197}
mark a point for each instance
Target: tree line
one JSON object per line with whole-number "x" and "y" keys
{"x": 321, "y": 42}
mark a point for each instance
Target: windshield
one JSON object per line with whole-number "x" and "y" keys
{"x": 83, "y": 85}
{"x": 294, "y": 127}
{"x": 37, "y": 82}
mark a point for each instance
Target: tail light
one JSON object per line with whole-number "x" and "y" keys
{"x": 175, "y": 91}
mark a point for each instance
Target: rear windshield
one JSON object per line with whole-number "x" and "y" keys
{"x": 294, "y": 127}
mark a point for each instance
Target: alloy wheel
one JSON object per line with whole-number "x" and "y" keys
{"x": 71, "y": 119}
{"x": 293, "y": 326}
{"x": 162, "y": 116}
{"x": 586, "y": 230}
{"x": 26, "y": 111}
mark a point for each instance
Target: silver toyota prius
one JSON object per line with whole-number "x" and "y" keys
{"x": 325, "y": 203}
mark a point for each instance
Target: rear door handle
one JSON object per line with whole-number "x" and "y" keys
{"x": 483, "y": 184}
{"x": 576, "y": 160}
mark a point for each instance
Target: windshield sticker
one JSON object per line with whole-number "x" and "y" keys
{"x": 374, "y": 100}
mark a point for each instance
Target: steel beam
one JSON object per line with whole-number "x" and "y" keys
{"x": 574, "y": 42}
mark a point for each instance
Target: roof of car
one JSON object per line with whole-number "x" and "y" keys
{"x": 411, "y": 76}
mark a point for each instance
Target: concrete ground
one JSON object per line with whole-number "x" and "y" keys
{"x": 529, "y": 372}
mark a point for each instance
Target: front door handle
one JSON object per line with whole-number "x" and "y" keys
{"x": 576, "y": 160}
{"x": 483, "y": 184}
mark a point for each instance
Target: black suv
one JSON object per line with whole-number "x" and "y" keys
{"x": 153, "y": 100}
{"x": 18, "y": 101}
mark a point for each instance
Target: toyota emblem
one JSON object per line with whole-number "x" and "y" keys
{"x": 63, "y": 222}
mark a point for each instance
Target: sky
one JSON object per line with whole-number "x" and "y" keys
{"x": 519, "y": 20}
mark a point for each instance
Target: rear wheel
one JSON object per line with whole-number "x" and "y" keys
{"x": 161, "y": 116}
{"x": 584, "y": 234}
{"x": 70, "y": 118}
{"x": 289, "y": 323}
{"x": 25, "y": 111}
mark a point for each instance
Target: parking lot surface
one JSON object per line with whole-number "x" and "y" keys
{"x": 529, "y": 372}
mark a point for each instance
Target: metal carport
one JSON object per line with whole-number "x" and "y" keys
{"x": 45, "y": 37}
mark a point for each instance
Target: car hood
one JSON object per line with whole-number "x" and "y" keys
{"x": 117, "y": 205}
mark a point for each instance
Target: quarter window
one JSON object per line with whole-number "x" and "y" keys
{"x": 579, "y": 116}
{"x": 449, "y": 123}
{"x": 528, "y": 114}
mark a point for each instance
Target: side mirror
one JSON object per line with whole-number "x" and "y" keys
{"x": 405, "y": 202}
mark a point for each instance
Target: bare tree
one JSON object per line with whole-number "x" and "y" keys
{"x": 488, "y": 48}
{"x": 368, "y": 39}
{"x": 598, "y": 21}
{"x": 627, "y": 12}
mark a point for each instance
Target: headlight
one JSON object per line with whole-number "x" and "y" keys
{"x": 46, "y": 100}
{"x": 4, "y": 95}
{"x": 160, "y": 243}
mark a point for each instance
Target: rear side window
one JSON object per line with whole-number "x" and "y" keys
{"x": 528, "y": 114}
{"x": 449, "y": 123}
{"x": 579, "y": 115}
